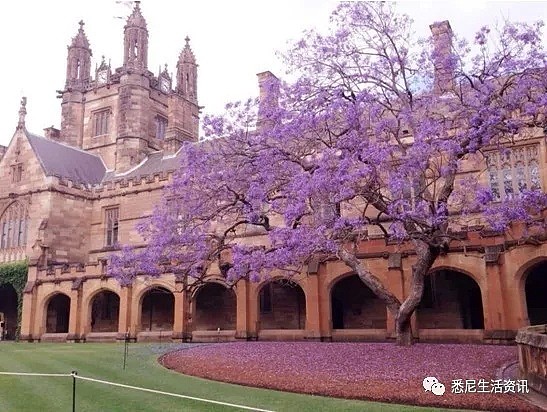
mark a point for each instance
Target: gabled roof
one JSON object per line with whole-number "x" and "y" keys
{"x": 65, "y": 161}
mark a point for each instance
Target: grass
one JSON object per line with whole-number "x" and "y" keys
{"x": 104, "y": 361}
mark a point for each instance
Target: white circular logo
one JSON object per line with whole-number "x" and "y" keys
{"x": 428, "y": 382}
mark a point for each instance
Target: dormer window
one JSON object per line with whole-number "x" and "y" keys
{"x": 161, "y": 127}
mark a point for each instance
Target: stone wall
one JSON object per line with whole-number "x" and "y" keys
{"x": 31, "y": 192}
{"x": 215, "y": 307}
{"x": 532, "y": 348}
{"x": 282, "y": 306}
{"x": 69, "y": 239}
{"x": 354, "y": 306}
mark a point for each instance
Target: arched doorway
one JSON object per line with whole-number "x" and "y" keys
{"x": 215, "y": 308}
{"x": 105, "y": 312}
{"x": 282, "y": 305}
{"x": 535, "y": 289}
{"x": 8, "y": 311}
{"x": 157, "y": 310}
{"x": 451, "y": 300}
{"x": 354, "y": 306}
{"x": 58, "y": 314}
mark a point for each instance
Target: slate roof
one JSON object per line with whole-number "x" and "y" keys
{"x": 65, "y": 161}
{"x": 155, "y": 162}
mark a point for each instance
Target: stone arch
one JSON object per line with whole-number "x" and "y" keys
{"x": 214, "y": 306}
{"x": 452, "y": 299}
{"x": 457, "y": 268}
{"x": 533, "y": 285}
{"x": 281, "y": 304}
{"x": 8, "y": 311}
{"x": 104, "y": 311}
{"x": 354, "y": 305}
{"x": 157, "y": 309}
{"x": 57, "y": 313}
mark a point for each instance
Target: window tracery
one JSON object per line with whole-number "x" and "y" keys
{"x": 512, "y": 171}
{"x": 13, "y": 227}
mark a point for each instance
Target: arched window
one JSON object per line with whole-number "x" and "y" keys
{"x": 13, "y": 227}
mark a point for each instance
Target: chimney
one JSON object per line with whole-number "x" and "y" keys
{"x": 268, "y": 85}
{"x": 52, "y": 133}
{"x": 443, "y": 59}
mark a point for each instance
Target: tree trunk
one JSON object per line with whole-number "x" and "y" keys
{"x": 403, "y": 330}
{"x": 426, "y": 257}
{"x": 401, "y": 311}
{"x": 372, "y": 282}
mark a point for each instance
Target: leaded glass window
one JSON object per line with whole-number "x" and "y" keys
{"x": 512, "y": 171}
{"x": 13, "y": 227}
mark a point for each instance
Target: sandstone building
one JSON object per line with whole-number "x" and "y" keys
{"x": 70, "y": 197}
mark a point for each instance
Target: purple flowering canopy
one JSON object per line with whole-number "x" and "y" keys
{"x": 371, "y": 137}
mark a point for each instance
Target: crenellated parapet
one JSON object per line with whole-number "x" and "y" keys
{"x": 68, "y": 271}
{"x": 121, "y": 186}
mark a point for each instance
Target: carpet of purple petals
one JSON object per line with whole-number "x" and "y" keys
{"x": 374, "y": 371}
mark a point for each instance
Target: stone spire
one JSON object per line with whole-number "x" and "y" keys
{"x": 136, "y": 19}
{"x": 135, "y": 56}
{"x": 187, "y": 73}
{"x": 187, "y": 55}
{"x": 80, "y": 40}
{"x": 22, "y": 113}
{"x": 78, "y": 69}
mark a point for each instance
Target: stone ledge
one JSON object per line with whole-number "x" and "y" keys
{"x": 535, "y": 336}
{"x": 532, "y": 350}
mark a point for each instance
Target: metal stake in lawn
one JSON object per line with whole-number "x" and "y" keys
{"x": 125, "y": 349}
{"x": 74, "y": 373}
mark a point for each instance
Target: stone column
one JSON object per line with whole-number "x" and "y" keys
{"x": 124, "y": 323}
{"x": 74, "y": 321}
{"x": 180, "y": 323}
{"x": 313, "y": 312}
{"x": 244, "y": 330}
{"x": 496, "y": 328}
{"x": 492, "y": 299}
{"x": 28, "y": 315}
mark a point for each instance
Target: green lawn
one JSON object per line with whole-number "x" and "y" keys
{"x": 104, "y": 361}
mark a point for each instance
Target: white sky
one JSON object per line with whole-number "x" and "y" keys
{"x": 232, "y": 40}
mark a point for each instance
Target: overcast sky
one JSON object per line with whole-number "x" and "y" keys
{"x": 232, "y": 40}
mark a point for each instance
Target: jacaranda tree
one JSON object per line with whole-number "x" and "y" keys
{"x": 372, "y": 134}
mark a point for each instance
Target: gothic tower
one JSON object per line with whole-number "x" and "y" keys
{"x": 135, "y": 48}
{"x": 187, "y": 73}
{"x": 183, "y": 108}
{"x": 132, "y": 141}
{"x": 78, "y": 72}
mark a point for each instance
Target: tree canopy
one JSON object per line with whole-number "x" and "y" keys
{"x": 379, "y": 133}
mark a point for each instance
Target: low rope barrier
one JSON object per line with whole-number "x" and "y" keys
{"x": 74, "y": 375}
{"x": 65, "y": 375}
